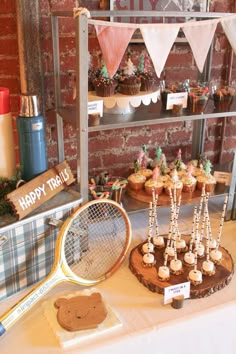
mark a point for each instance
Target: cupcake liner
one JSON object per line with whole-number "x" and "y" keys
{"x": 130, "y": 89}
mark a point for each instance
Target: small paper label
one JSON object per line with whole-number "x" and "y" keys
{"x": 37, "y": 126}
{"x": 176, "y": 290}
{"x": 95, "y": 107}
{"x": 223, "y": 177}
{"x": 177, "y": 98}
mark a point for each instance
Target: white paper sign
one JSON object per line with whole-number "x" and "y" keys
{"x": 177, "y": 98}
{"x": 223, "y": 177}
{"x": 176, "y": 290}
{"x": 95, "y": 107}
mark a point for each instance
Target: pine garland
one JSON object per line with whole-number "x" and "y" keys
{"x": 7, "y": 186}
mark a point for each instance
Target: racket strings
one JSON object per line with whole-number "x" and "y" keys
{"x": 95, "y": 240}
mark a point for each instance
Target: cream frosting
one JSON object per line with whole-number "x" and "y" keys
{"x": 163, "y": 272}
{"x": 206, "y": 179}
{"x": 137, "y": 178}
{"x": 195, "y": 275}
{"x": 200, "y": 250}
{"x": 148, "y": 258}
{"x": 153, "y": 183}
{"x": 216, "y": 255}
{"x": 158, "y": 240}
{"x": 170, "y": 251}
{"x": 180, "y": 244}
{"x": 212, "y": 243}
{"x": 147, "y": 247}
{"x": 208, "y": 266}
{"x": 189, "y": 258}
{"x": 188, "y": 180}
{"x": 175, "y": 265}
{"x": 145, "y": 172}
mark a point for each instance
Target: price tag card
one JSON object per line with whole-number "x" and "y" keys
{"x": 223, "y": 177}
{"x": 176, "y": 290}
{"x": 177, "y": 98}
{"x": 95, "y": 107}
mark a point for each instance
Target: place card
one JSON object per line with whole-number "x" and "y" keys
{"x": 176, "y": 290}
{"x": 177, "y": 98}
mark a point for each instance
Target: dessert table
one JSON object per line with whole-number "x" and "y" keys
{"x": 203, "y": 325}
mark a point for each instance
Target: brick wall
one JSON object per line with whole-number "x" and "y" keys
{"x": 9, "y": 60}
{"x": 113, "y": 150}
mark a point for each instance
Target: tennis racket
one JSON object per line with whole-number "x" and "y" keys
{"x": 90, "y": 247}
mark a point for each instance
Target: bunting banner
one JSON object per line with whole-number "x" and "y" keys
{"x": 113, "y": 41}
{"x": 229, "y": 26}
{"x": 159, "y": 39}
{"x": 199, "y": 35}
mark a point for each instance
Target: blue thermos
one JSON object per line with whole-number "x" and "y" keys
{"x": 31, "y": 138}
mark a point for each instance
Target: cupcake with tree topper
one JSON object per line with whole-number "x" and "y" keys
{"x": 206, "y": 178}
{"x": 189, "y": 181}
{"x": 173, "y": 184}
{"x": 154, "y": 183}
{"x": 178, "y": 164}
{"x": 148, "y": 81}
{"x": 129, "y": 83}
{"x": 104, "y": 85}
{"x": 157, "y": 161}
{"x": 144, "y": 162}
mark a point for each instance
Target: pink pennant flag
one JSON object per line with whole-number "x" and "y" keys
{"x": 159, "y": 39}
{"x": 113, "y": 41}
{"x": 199, "y": 35}
{"x": 229, "y": 26}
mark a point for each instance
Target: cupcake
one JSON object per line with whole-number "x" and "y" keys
{"x": 189, "y": 182}
{"x": 129, "y": 83}
{"x": 155, "y": 182}
{"x": 178, "y": 164}
{"x": 206, "y": 179}
{"x": 197, "y": 99}
{"x": 148, "y": 81}
{"x": 136, "y": 181}
{"x": 223, "y": 97}
{"x": 104, "y": 86}
{"x": 174, "y": 183}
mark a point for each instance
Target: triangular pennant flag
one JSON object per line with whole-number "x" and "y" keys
{"x": 229, "y": 26}
{"x": 199, "y": 36}
{"x": 159, "y": 39}
{"x": 113, "y": 41}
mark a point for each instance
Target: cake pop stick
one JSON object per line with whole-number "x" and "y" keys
{"x": 165, "y": 259}
{"x": 222, "y": 221}
{"x": 207, "y": 239}
{"x": 155, "y": 219}
{"x": 193, "y": 230}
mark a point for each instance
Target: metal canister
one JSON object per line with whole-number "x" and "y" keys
{"x": 31, "y": 138}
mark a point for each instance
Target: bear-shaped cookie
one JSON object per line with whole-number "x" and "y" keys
{"x": 80, "y": 312}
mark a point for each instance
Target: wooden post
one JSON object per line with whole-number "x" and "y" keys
{"x": 30, "y": 53}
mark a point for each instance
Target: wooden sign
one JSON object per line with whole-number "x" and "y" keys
{"x": 40, "y": 189}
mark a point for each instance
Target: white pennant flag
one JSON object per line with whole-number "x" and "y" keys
{"x": 229, "y": 26}
{"x": 159, "y": 39}
{"x": 199, "y": 35}
{"x": 113, "y": 41}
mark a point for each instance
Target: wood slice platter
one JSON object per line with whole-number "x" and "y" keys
{"x": 210, "y": 284}
{"x": 164, "y": 199}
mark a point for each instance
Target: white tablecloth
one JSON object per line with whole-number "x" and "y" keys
{"x": 203, "y": 326}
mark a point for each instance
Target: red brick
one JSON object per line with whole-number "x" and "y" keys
{"x": 8, "y": 26}
{"x": 8, "y": 46}
{"x": 179, "y": 60}
{"x": 230, "y": 143}
{"x": 9, "y": 65}
{"x": 104, "y": 143}
{"x": 69, "y": 132}
{"x": 7, "y": 6}
{"x": 179, "y": 137}
{"x": 12, "y": 83}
